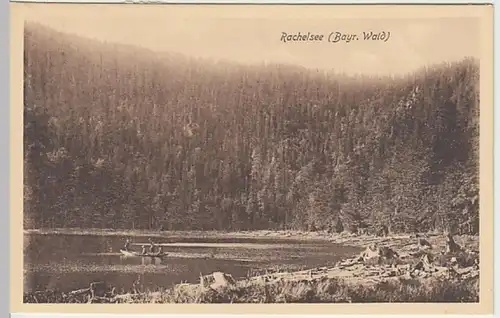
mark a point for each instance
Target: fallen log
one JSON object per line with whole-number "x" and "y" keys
{"x": 79, "y": 292}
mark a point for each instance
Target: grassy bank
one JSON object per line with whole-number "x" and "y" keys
{"x": 327, "y": 290}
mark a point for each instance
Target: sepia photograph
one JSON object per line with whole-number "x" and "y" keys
{"x": 222, "y": 154}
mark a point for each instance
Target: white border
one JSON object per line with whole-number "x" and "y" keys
{"x": 268, "y": 1}
{"x": 4, "y": 134}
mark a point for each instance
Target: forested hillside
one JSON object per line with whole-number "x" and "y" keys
{"x": 120, "y": 137}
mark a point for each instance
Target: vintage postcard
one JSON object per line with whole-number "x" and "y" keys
{"x": 332, "y": 157}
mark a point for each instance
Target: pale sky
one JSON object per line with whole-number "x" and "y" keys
{"x": 254, "y": 36}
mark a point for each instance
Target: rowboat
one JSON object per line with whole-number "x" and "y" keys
{"x": 136, "y": 254}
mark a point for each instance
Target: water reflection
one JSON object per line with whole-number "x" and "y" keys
{"x": 72, "y": 262}
{"x": 144, "y": 260}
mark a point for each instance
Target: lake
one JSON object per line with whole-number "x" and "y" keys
{"x": 69, "y": 262}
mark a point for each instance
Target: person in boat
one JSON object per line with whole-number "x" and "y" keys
{"x": 160, "y": 250}
{"x": 151, "y": 246}
{"x": 143, "y": 252}
{"x": 127, "y": 245}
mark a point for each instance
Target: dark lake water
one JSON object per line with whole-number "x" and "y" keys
{"x": 69, "y": 262}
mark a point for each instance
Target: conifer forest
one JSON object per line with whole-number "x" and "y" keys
{"x": 121, "y": 137}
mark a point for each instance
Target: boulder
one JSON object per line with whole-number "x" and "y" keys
{"x": 374, "y": 253}
{"x": 370, "y": 252}
{"x": 424, "y": 243}
{"x": 217, "y": 280}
